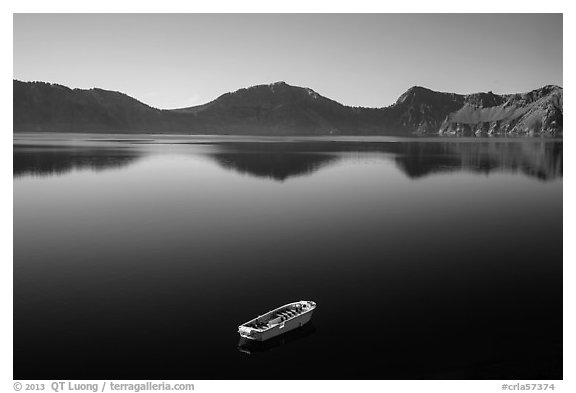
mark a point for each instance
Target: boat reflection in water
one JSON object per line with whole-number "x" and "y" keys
{"x": 250, "y": 346}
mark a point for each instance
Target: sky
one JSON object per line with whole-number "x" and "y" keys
{"x": 180, "y": 60}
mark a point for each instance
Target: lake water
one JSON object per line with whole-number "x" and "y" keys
{"x": 137, "y": 257}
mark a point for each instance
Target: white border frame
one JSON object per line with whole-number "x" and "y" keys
{"x": 296, "y": 6}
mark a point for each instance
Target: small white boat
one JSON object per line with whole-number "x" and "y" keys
{"x": 278, "y": 321}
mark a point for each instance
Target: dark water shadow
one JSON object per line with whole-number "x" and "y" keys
{"x": 251, "y": 347}
{"x": 55, "y": 161}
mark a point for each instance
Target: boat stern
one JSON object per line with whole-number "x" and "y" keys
{"x": 246, "y": 332}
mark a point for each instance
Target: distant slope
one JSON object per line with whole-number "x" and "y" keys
{"x": 41, "y": 106}
{"x": 274, "y": 109}
{"x": 537, "y": 112}
{"x": 420, "y": 110}
{"x": 281, "y": 109}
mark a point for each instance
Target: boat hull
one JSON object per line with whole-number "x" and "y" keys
{"x": 252, "y": 347}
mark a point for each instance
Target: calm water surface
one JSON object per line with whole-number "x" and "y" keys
{"x": 138, "y": 257}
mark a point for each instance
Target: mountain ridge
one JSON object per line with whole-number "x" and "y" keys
{"x": 282, "y": 109}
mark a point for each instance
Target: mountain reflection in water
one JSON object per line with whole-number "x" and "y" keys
{"x": 45, "y": 161}
{"x": 280, "y": 161}
{"x": 276, "y": 166}
{"x": 542, "y": 160}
